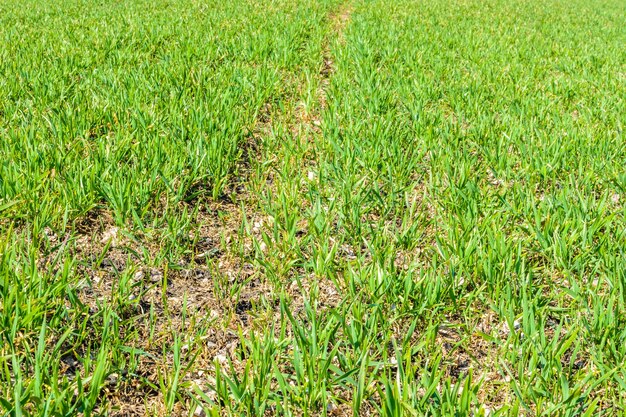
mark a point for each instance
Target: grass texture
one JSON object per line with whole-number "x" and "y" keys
{"x": 312, "y": 208}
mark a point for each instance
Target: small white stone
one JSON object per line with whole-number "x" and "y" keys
{"x": 110, "y": 236}
{"x": 199, "y": 411}
{"x": 156, "y": 275}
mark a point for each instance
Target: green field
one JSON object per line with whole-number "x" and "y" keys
{"x": 312, "y": 208}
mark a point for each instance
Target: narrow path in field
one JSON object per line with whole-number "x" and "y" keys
{"x": 276, "y": 167}
{"x": 338, "y": 23}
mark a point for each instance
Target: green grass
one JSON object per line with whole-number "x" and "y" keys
{"x": 312, "y": 208}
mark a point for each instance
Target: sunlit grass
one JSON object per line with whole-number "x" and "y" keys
{"x": 312, "y": 208}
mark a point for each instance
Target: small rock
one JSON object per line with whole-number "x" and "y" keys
{"x": 517, "y": 325}
{"x": 112, "y": 379}
{"x": 222, "y": 359}
{"x": 199, "y": 411}
{"x": 156, "y": 275}
{"x": 110, "y": 236}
